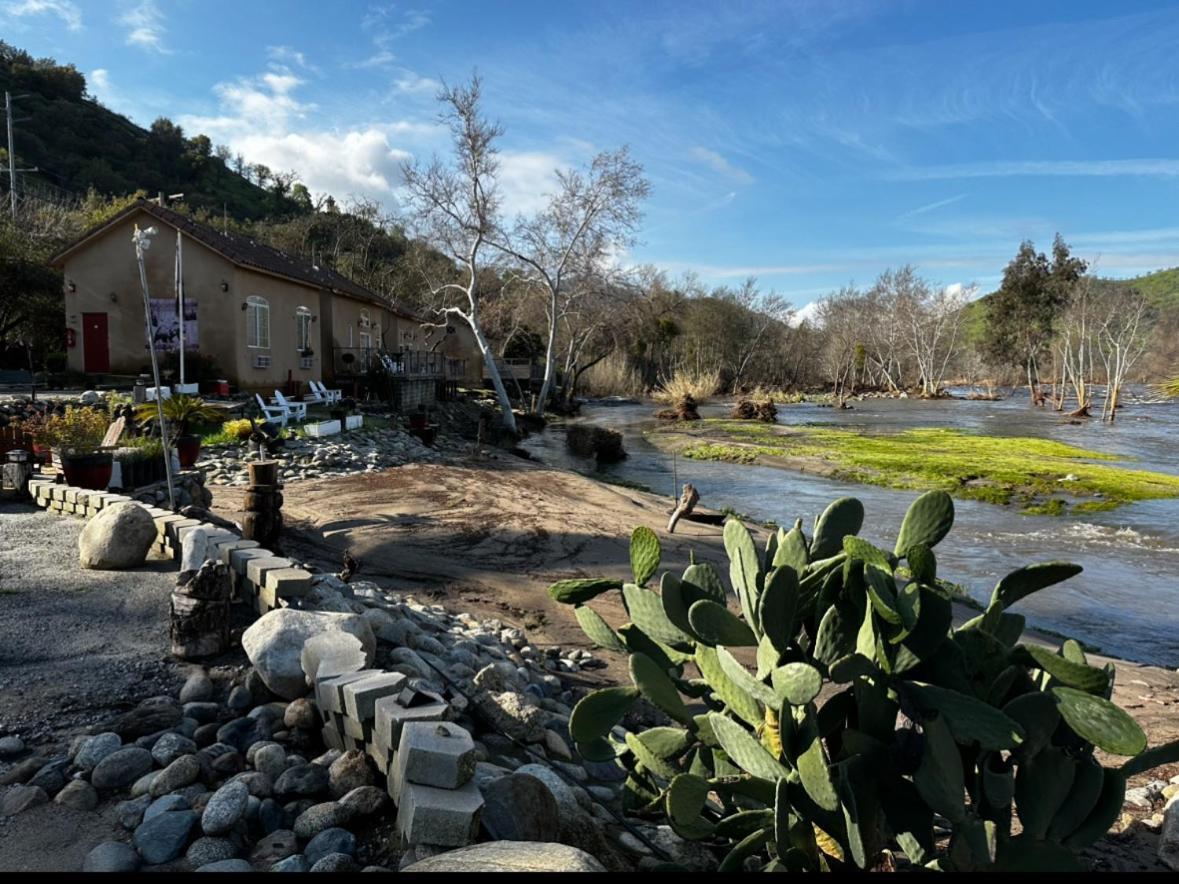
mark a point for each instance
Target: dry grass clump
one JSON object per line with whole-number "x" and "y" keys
{"x": 699, "y": 385}
{"x": 613, "y": 376}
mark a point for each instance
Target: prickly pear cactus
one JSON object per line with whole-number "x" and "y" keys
{"x": 824, "y": 708}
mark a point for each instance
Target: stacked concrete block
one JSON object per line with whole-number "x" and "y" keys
{"x": 437, "y": 800}
{"x": 392, "y": 713}
{"x": 347, "y": 701}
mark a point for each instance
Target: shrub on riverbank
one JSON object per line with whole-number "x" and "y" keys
{"x": 599, "y": 442}
{"x": 868, "y": 714}
{"x": 697, "y": 385}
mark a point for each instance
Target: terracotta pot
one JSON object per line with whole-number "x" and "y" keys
{"x": 92, "y": 471}
{"x": 188, "y": 449}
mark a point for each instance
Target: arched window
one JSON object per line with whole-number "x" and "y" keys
{"x": 302, "y": 329}
{"x": 257, "y": 323}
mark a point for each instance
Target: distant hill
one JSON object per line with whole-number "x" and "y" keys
{"x": 78, "y": 144}
{"x": 1161, "y": 288}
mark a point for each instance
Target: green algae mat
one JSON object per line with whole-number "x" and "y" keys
{"x": 1035, "y": 475}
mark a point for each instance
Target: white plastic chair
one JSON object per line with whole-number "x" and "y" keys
{"x": 315, "y": 397}
{"x": 328, "y": 396}
{"x": 297, "y": 410}
{"x": 278, "y": 413}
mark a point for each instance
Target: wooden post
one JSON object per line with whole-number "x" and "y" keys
{"x": 262, "y": 520}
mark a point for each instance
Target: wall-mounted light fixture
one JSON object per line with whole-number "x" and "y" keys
{"x": 244, "y": 305}
{"x": 72, "y": 286}
{"x": 224, "y": 286}
{"x": 114, "y": 297}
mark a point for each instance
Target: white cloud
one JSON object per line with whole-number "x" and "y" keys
{"x": 718, "y": 163}
{"x": 387, "y": 26}
{"x": 411, "y": 82}
{"x": 1155, "y": 168}
{"x": 807, "y": 313}
{"x": 290, "y": 55}
{"x": 526, "y": 180}
{"x": 146, "y": 26}
{"x": 921, "y": 210}
{"x": 100, "y": 80}
{"x": 263, "y": 118}
{"x": 66, "y": 10}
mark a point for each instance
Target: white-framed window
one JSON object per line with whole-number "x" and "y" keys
{"x": 302, "y": 329}
{"x": 366, "y": 346}
{"x": 257, "y": 323}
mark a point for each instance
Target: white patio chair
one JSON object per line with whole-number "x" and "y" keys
{"x": 273, "y": 412}
{"x": 329, "y": 396}
{"x": 315, "y": 397}
{"x": 297, "y": 410}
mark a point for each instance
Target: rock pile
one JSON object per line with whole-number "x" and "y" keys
{"x": 228, "y": 775}
{"x": 359, "y": 451}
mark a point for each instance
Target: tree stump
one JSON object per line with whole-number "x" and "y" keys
{"x": 262, "y": 504}
{"x": 200, "y": 613}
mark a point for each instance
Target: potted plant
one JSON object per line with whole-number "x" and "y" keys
{"x": 77, "y": 434}
{"x": 183, "y": 412}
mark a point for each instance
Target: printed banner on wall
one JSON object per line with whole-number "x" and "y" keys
{"x": 165, "y": 328}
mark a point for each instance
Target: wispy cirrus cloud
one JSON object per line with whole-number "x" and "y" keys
{"x": 146, "y": 30}
{"x": 387, "y": 24}
{"x": 718, "y": 163}
{"x": 1152, "y": 168}
{"x": 290, "y": 56}
{"x": 66, "y": 10}
{"x": 931, "y": 207}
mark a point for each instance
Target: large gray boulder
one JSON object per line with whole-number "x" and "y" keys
{"x": 119, "y": 537}
{"x": 510, "y": 856}
{"x": 274, "y": 644}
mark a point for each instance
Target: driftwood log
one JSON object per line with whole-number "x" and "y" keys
{"x": 199, "y": 625}
{"x": 684, "y": 511}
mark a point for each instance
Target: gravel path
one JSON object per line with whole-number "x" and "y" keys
{"x": 76, "y": 646}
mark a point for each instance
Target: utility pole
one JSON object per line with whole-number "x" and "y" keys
{"x": 12, "y": 169}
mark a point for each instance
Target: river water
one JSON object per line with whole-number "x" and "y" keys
{"x": 1126, "y": 601}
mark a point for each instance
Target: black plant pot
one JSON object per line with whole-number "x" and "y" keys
{"x": 91, "y": 471}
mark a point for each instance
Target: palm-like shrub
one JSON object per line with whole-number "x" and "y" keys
{"x": 182, "y": 411}
{"x": 841, "y": 712}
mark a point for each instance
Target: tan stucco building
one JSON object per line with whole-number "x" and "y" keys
{"x": 267, "y": 319}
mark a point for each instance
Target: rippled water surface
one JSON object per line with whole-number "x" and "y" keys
{"x": 1127, "y": 599}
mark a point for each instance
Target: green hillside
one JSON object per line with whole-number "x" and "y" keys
{"x": 1161, "y": 289}
{"x": 78, "y": 144}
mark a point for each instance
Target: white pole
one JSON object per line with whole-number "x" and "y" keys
{"x": 180, "y": 297}
{"x": 142, "y": 240}
{"x": 11, "y": 154}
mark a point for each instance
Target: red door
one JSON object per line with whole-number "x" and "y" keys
{"x": 96, "y": 351}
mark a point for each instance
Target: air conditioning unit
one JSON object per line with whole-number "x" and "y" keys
{"x": 261, "y": 362}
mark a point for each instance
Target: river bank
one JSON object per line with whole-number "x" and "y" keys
{"x": 1123, "y": 603}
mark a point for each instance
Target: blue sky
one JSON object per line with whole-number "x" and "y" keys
{"x": 811, "y": 144}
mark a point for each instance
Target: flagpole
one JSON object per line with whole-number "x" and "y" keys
{"x": 180, "y": 297}
{"x": 142, "y": 240}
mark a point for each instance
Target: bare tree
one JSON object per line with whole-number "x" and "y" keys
{"x": 589, "y": 219}
{"x": 931, "y": 323}
{"x": 837, "y": 317}
{"x": 1122, "y": 338}
{"x": 455, "y": 208}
